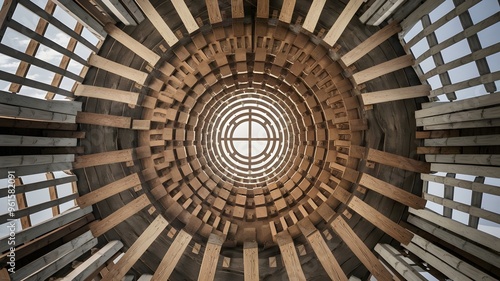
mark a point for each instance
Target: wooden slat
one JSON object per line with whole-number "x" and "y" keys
{"x": 185, "y": 15}
{"x": 290, "y": 257}
{"x": 484, "y": 140}
{"x": 213, "y": 10}
{"x": 132, "y": 44}
{"x": 119, "y": 11}
{"x": 107, "y": 94}
{"x": 463, "y": 116}
{"x": 313, "y": 15}
{"x": 28, "y": 160}
{"x": 19, "y": 112}
{"x": 395, "y": 94}
{"x": 31, "y": 124}
{"x": 210, "y": 257}
{"x": 119, "y": 69}
{"x": 237, "y": 9}
{"x": 474, "y": 159}
{"x": 416, "y": 15}
{"x": 474, "y": 186}
{"x": 342, "y": 21}
{"x": 287, "y": 11}
{"x": 103, "y": 158}
{"x": 340, "y": 226}
{"x": 251, "y": 261}
{"x": 157, "y": 21}
{"x": 72, "y": 8}
{"x": 172, "y": 256}
{"x": 109, "y": 190}
{"x": 394, "y": 258}
{"x": 382, "y": 69}
{"x": 11, "y": 140}
{"x": 263, "y": 9}
{"x": 369, "y": 44}
{"x": 391, "y": 191}
{"x": 34, "y": 84}
{"x": 103, "y": 120}
{"x": 38, "y": 185}
{"x": 133, "y": 207}
{"x": 397, "y": 161}
{"x": 89, "y": 266}
{"x": 118, "y": 270}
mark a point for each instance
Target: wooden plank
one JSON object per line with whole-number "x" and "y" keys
{"x": 457, "y": 117}
{"x": 237, "y": 9}
{"x": 461, "y": 105}
{"x": 109, "y": 190}
{"x": 118, "y": 69}
{"x": 46, "y": 260}
{"x": 107, "y": 94}
{"x": 34, "y": 84}
{"x": 157, "y": 21}
{"x": 290, "y": 257}
{"x": 478, "y": 236}
{"x": 474, "y": 159}
{"x": 365, "y": 255}
{"x": 382, "y": 69}
{"x": 172, "y": 257}
{"x": 210, "y": 257}
{"x": 313, "y": 15}
{"x": 391, "y": 191}
{"x": 6, "y": 12}
{"x": 118, "y": 270}
{"x": 342, "y": 21}
{"x": 185, "y": 15}
{"x": 11, "y": 140}
{"x": 395, "y": 94}
{"x": 287, "y": 11}
{"x": 132, "y": 44}
{"x": 28, "y": 160}
{"x": 369, "y": 44}
{"x": 19, "y": 112}
{"x": 72, "y": 8}
{"x": 263, "y": 9}
{"x": 119, "y": 11}
{"x": 380, "y": 221}
{"x": 397, "y": 161}
{"x": 32, "y": 124}
{"x": 416, "y": 15}
{"x": 103, "y": 158}
{"x": 474, "y": 186}
{"x": 394, "y": 259}
{"x": 98, "y": 228}
{"x": 38, "y": 185}
{"x": 465, "y": 125}
{"x": 104, "y": 120}
{"x": 485, "y": 140}
{"x": 213, "y": 10}
{"x": 53, "y": 194}
{"x": 89, "y": 266}
{"x": 251, "y": 261}
{"x": 384, "y": 12}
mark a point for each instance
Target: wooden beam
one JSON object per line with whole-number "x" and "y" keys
{"x": 365, "y": 255}
{"x": 290, "y": 257}
{"x": 38, "y": 185}
{"x": 172, "y": 257}
{"x": 89, "y": 266}
{"x": 6, "y": 76}
{"x": 98, "y": 228}
{"x": 185, "y": 15}
{"x": 118, "y": 69}
{"x": 107, "y": 94}
{"x": 103, "y": 120}
{"x": 391, "y": 191}
{"x": 263, "y": 9}
{"x": 484, "y": 140}
{"x": 109, "y": 190}
{"x": 19, "y": 112}
{"x": 237, "y": 11}
{"x": 313, "y": 15}
{"x": 397, "y": 161}
{"x": 394, "y": 258}
{"x": 213, "y": 10}
{"x": 132, "y": 44}
{"x": 210, "y": 257}
{"x": 382, "y": 69}
{"x": 157, "y": 21}
{"x": 72, "y": 8}
{"x": 416, "y": 15}
{"x": 118, "y": 270}
{"x": 287, "y": 11}
{"x": 395, "y": 94}
{"x": 342, "y": 21}
{"x": 28, "y": 160}
{"x": 11, "y": 140}
{"x": 251, "y": 261}
{"x": 119, "y": 11}
{"x": 474, "y": 186}
{"x": 473, "y": 159}
{"x": 463, "y": 116}
{"x": 109, "y": 157}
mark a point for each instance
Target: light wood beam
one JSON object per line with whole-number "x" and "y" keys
{"x": 251, "y": 261}
{"x": 210, "y": 257}
{"x": 107, "y": 94}
{"x": 11, "y": 140}
{"x": 118, "y": 270}
{"x": 118, "y": 69}
{"x": 484, "y": 140}
{"x": 103, "y": 120}
{"x": 474, "y": 186}
{"x": 382, "y": 69}
{"x": 342, "y": 21}
{"x": 72, "y": 8}
{"x": 108, "y": 190}
{"x": 290, "y": 257}
{"x": 19, "y": 112}
{"x": 395, "y": 94}
{"x": 172, "y": 256}
{"x": 397, "y": 161}
{"x": 185, "y": 15}
{"x": 416, "y": 15}
{"x": 22, "y": 188}
{"x": 394, "y": 259}
{"x": 157, "y": 21}
{"x": 287, "y": 11}
{"x": 313, "y": 15}
{"x": 237, "y": 11}
{"x": 119, "y": 11}
{"x": 109, "y": 157}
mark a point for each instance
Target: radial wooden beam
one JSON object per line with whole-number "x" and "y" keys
{"x": 313, "y": 15}
{"x": 320, "y": 248}
{"x": 132, "y": 44}
{"x": 172, "y": 256}
{"x": 342, "y": 21}
{"x": 72, "y": 8}
{"x": 251, "y": 261}
{"x": 100, "y": 227}
{"x": 118, "y": 69}
{"x": 213, "y": 10}
{"x": 185, "y": 15}
{"x": 263, "y": 9}
{"x": 118, "y": 270}
{"x": 395, "y": 94}
{"x": 109, "y": 157}
{"x": 340, "y": 226}
{"x": 210, "y": 257}
{"x": 107, "y": 94}
{"x": 382, "y": 69}
{"x": 104, "y": 120}
{"x": 237, "y": 9}
{"x": 157, "y": 21}
{"x": 290, "y": 257}
{"x": 119, "y": 11}
{"x": 287, "y": 11}
{"x": 394, "y": 259}
{"x": 11, "y": 140}
{"x": 108, "y": 190}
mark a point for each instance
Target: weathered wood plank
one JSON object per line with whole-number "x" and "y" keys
{"x": 416, "y": 15}
{"x": 382, "y": 69}
{"x": 251, "y": 261}
{"x": 210, "y": 257}
{"x": 395, "y": 94}
{"x": 107, "y": 94}
{"x": 473, "y": 159}
{"x": 158, "y": 22}
{"x": 263, "y": 9}
{"x": 11, "y": 140}
{"x": 119, "y": 11}
{"x": 458, "y": 117}
{"x": 172, "y": 257}
{"x": 103, "y": 120}
{"x": 397, "y": 161}
{"x": 38, "y": 185}
{"x": 109, "y": 190}
{"x": 483, "y": 140}
{"x": 394, "y": 258}
{"x": 19, "y": 112}
{"x": 185, "y": 15}
{"x": 287, "y": 11}
{"x": 72, "y": 8}
{"x": 313, "y": 15}
{"x": 290, "y": 257}
{"x": 100, "y": 227}
{"x": 342, "y": 21}
{"x": 118, "y": 270}
{"x": 213, "y": 10}
{"x": 237, "y": 9}
{"x": 474, "y": 186}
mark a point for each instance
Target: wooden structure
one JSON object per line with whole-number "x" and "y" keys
{"x": 236, "y": 140}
